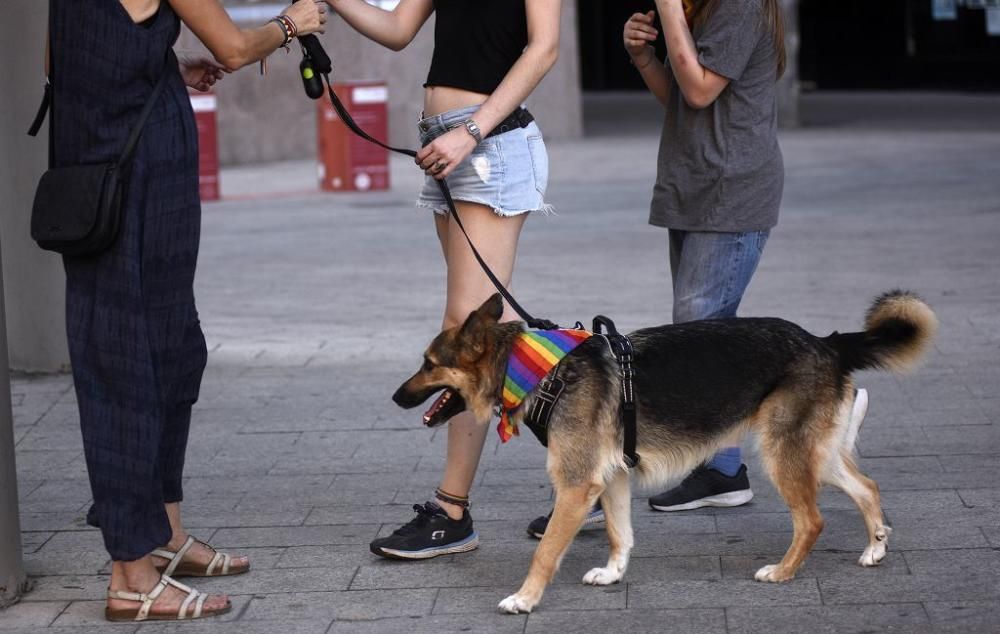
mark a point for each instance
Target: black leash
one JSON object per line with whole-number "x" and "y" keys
{"x": 316, "y": 69}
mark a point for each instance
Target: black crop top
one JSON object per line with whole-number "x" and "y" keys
{"x": 476, "y": 42}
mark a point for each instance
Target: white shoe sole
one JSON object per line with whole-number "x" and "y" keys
{"x": 858, "y": 411}
{"x": 733, "y": 498}
{"x": 470, "y": 543}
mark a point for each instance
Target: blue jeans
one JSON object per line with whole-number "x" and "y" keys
{"x": 710, "y": 273}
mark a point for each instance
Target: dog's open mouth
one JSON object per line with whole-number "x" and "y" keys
{"x": 446, "y": 405}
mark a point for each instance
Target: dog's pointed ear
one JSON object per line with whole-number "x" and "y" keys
{"x": 492, "y": 308}
{"x": 479, "y": 320}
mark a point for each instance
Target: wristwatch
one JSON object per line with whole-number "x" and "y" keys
{"x": 474, "y": 130}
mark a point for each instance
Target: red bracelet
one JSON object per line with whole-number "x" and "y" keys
{"x": 293, "y": 30}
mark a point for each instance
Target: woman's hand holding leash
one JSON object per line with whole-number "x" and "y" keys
{"x": 309, "y": 16}
{"x": 440, "y": 157}
{"x": 639, "y": 35}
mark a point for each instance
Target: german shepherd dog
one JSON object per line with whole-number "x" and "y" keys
{"x": 699, "y": 386}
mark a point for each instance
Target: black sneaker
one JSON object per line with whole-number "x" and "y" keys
{"x": 429, "y": 534}
{"x": 538, "y": 525}
{"x": 705, "y": 487}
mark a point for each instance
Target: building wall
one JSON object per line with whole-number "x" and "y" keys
{"x": 33, "y": 279}
{"x": 269, "y": 118}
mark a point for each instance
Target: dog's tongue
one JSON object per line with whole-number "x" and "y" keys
{"x": 436, "y": 406}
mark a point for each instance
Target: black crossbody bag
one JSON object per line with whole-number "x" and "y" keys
{"x": 78, "y": 209}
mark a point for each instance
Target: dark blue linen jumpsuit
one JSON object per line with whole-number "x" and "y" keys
{"x": 136, "y": 345}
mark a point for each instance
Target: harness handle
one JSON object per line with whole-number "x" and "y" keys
{"x": 321, "y": 63}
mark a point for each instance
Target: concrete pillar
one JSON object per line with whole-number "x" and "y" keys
{"x": 13, "y": 581}
{"x": 788, "y": 87}
{"x": 34, "y": 279}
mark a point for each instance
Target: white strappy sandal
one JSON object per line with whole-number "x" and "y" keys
{"x": 220, "y": 566}
{"x": 192, "y": 607}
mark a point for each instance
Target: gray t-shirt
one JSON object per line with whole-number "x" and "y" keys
{"x": 720, "y": 168}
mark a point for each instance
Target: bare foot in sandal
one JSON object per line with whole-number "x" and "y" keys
{"x": 197, "y": 559}
{"x": 139, "y": 593}
{"x": 187, "y": 556}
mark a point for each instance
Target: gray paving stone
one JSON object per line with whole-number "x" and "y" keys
{"x": 31, "y": 541}
{"x": 30, "y": 614}
{"x": 461, "y": 573}
{"x": 287, "y": 625}
{"x": 971, "y": 561}
{"x": 722, "y": 593}
{"x": 992, "y": 536}
{"x": 436, "y": 624}
{"x": 234, "y": 538}
{"x": 818, "y": 565}
{"x": 934, "y": 587}
{"x": 55, "y": 562}
{"x": 68, "y": 588}
{"x": 355, "y": 605}
{"x": 75, "y": 541}
{"x": 641, "y": 569}
{"x": 633, "y": 621}
{"x": 854, "y": 619}
{"x": 558, "y": 597}
{"x": 280, "y": 580}
{"x": 327, "y": 555}
{"x": 972, "y": 616}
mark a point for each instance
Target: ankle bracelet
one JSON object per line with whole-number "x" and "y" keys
{"x": 452, "y": 499}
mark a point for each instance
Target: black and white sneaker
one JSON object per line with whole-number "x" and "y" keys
{"x": 538, "y": 525}
{"x": 705, "y": 487}
{"x": 430, "y": 534}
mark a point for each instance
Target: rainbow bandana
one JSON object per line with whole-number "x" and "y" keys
{"x": 533, "y": 355}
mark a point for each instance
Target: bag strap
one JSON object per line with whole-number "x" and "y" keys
{"x": 133, "y": 139}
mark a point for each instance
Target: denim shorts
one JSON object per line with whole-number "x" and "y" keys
{"x": 507, "y": 172}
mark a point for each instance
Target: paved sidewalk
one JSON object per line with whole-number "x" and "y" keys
{"x": 317, "y": 306}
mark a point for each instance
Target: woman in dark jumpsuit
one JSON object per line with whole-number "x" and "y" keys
{"x": 136, "y": 346}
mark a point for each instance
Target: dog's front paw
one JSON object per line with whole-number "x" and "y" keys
{"x": 873, "y": 555}
{"x": 515, "y": 604}
{"x": 772, "y": 574}
{"x": 602, "y": 577}
{"x": 875, "y": 552}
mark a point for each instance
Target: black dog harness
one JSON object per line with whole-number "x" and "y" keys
{"x": 551, "y": 388}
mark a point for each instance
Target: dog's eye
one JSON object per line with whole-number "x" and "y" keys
{"x": 427, "y": 366}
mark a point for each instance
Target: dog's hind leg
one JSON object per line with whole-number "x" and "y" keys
{"x": 791, "y": 466}
{"x": 845, "y": 475}
{"x": 617, "y": 504}
{"x": 571, "y": 508}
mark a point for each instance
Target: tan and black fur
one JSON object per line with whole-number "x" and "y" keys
{"x": 700, "y": 386}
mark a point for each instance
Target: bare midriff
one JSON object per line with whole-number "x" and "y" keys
{"x": 438, "y": 99}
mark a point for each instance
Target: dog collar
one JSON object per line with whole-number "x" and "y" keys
{"x": 533, "y": 355}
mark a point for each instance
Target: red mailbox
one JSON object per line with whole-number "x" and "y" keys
{"x": 346, "y": 161}
{"x": 205, "y": 106}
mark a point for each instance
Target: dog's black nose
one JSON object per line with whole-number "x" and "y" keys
{"x": 406, "y": 400}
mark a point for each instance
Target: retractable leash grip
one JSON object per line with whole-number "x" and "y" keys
{"x": 316, "y": 54}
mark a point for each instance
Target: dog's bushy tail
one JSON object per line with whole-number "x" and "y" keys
{"x": 899, "y": 327}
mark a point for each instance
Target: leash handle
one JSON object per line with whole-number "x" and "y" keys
{"x": 345, "y": 116}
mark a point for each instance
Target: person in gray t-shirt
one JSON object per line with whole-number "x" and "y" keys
{"x": 719, "y": 175}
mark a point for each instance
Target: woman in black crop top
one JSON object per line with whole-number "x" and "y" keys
{"x": 489, "y": 55}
